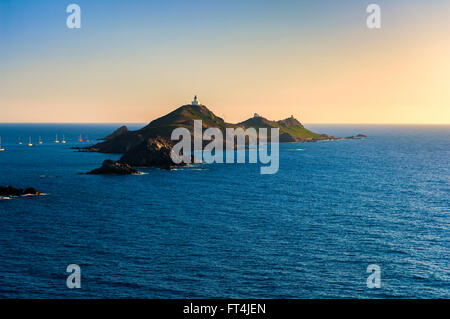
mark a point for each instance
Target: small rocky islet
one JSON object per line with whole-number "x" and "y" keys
{"x": 113, "y": 167}
{"x": 9, "y": 191}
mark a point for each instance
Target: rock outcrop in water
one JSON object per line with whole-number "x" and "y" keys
{"x": 113, "y": 167}
{"x": 10, "y": 191}
{"x": 153, "y": 152}
{"x": 357, "y": 137}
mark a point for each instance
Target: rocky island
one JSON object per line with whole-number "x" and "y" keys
{"x": 151, "y": 145}
{"x": 10, "y": 191}
{"x": 113, "y": 167}
{"x": 123, "y": 140}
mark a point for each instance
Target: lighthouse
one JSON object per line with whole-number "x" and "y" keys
{"x": 195, "y": 102}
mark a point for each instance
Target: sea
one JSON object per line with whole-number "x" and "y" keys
{"x": 315, "y": 229}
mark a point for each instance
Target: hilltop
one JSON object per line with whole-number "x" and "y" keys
{"x": 122, "y": 140}
{"x": 291, "y": 130}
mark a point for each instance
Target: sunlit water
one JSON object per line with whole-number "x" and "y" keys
{"x": 224, "y": 230}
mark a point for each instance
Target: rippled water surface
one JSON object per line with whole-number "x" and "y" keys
{"x": 224, "y": 230}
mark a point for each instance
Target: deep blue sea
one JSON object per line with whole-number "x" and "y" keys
{"x": 224, "y": 230}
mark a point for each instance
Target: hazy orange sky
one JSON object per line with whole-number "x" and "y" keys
{"x": 134, "y": 61}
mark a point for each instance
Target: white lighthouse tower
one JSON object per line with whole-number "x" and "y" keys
{"x": 195, "y": 102}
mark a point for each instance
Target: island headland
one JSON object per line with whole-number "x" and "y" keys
{"x": 151, "y": 145}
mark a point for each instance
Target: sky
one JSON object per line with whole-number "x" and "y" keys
{"x": 133, "y": 61}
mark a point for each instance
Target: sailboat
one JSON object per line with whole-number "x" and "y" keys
{"x": 1, "y": 148}
{"x": 40, "y": 140}
{"x": 63, "y": 140}
{"x": 80, "y": 139}
{"x": 29, "y": 143}
{"x": 19, "y": 142}
{"x": 56, "y": 140}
